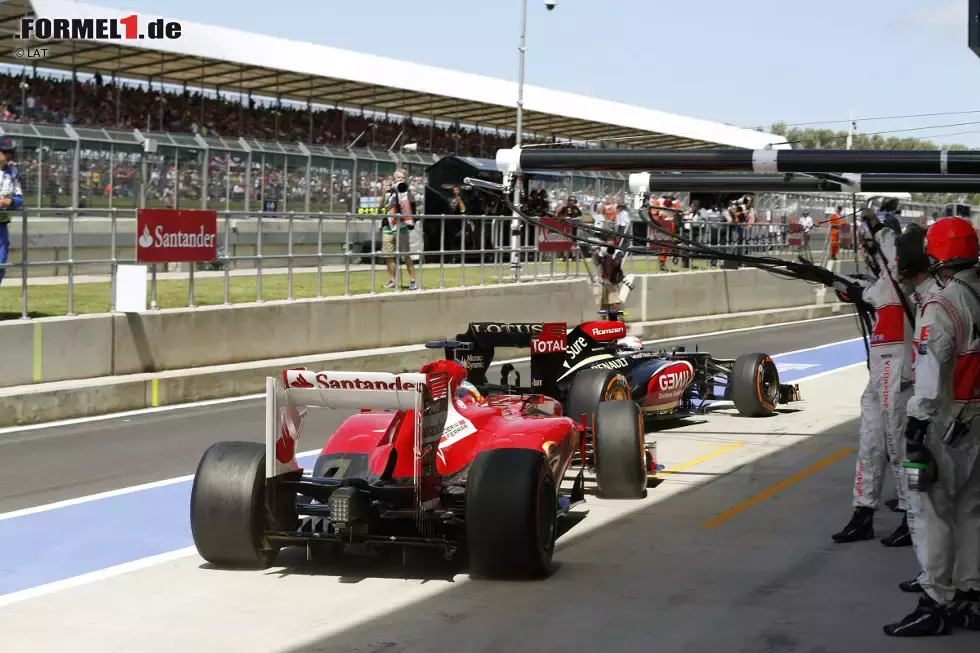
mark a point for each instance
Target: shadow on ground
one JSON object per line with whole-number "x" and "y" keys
{"x": 767, "y": 579}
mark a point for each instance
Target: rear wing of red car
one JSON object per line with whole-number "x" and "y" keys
{"x": 289, "y": 396}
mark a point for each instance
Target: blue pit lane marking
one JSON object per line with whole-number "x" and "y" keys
{"x": 45, "y": 547}
{"x": 801, "y": 364}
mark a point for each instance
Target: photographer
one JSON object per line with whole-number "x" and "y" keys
{"x": 573, "y": 214}
{"x": 394, "y": 229}
{"x": 609, "y": 263}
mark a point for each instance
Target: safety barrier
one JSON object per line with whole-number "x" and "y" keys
{"x": 64, "y": 348}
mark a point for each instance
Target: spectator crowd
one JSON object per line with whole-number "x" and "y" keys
{"x": 98, "y": 102}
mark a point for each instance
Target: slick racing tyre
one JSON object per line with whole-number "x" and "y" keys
{"x": 228, "y": 512}
{"x": 620, "y": 459}
{"x": 755, "y": 385}
{"x": 511, "y": 514}
{"x": 590, "y": 388}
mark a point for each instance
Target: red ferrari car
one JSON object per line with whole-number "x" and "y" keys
{"x": 428, "y": 462}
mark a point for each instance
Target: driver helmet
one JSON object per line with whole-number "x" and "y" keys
{"x": 630, "y": 343}
{"x": 468, "y": 391}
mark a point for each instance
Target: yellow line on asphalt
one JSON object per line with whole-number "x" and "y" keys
{"x": 775, "y": 489}
{"x": 37, "y": 352}
{"x": 700, "y": 459}
{"x": 155, "y": 392}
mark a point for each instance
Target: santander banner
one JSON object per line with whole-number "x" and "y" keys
{"x": 176, "y": 236}
{"x": 549, "y": 241}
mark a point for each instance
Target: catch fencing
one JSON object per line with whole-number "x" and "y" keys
{"x": 71, "y": 259}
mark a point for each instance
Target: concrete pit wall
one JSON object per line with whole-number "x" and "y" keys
{"x": 58, "y": 349}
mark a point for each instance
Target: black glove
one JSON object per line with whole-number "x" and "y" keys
{"x": 849, "y": 293}
{"x": 915, "y": 436}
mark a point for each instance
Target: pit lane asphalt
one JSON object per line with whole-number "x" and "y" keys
{"x": 56, "y": 463}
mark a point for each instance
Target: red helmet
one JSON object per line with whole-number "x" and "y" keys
{"x": 952, "y": 241}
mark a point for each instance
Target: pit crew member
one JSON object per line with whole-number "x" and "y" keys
{"x": 943, "y": 440}
{"x": 881, "y": 441}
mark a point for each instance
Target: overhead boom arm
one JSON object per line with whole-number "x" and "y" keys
{"x": 931, "y": 162}
{"x": 642, "y": 182}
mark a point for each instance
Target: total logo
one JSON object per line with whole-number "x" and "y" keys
{"x": 541, "y": 345}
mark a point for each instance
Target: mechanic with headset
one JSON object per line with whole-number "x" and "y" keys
{"x": 889, "y": 387}
{"x": 11, "y": 197}
{"x": 942, "y": 438}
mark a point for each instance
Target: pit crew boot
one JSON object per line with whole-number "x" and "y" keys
{"x": 892, "y": 504}
{"x": 910, "y": 586}
{"x": 901, "y": 537}
{"x": 965, "y": 611}
{"x": 929, "y": 618}
{"x": 861, "y": 527}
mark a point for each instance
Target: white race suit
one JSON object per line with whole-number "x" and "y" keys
{"x": 945, "y": 520}
{"x": 882, "y": 434}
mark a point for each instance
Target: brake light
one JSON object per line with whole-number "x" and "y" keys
{"x": 285, "y": 448}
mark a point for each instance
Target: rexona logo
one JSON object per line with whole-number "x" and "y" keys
{"x": 176, "y": 236}
{"x": 577, "y": 347}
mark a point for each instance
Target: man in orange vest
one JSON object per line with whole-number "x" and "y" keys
{"x": 665, "y": 218}
{"x": 835, "y": 224}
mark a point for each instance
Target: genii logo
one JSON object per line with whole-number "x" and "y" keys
{"x": 669, "y": 383}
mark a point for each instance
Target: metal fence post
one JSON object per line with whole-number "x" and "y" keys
{"x": 190, "y": 285}
{"x": 289, "y": 260}
{"x": 258, "y": 259}
{"x": 71, "y": 263}
{"x": 227, "y": 258}
{"x": 347, "y": 254}
{"x": 442, "y": 251}
{"x": 319, "y": 255}
{"x": 23, "y": 265}
{"x": 114, "y": 266}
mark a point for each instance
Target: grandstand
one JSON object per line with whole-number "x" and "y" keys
{"x": 239, "y": 120}
{"x": 216, "y": 58}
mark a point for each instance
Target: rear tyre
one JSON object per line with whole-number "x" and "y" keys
{"x": 590, "y": 388}
{"x": 620, "y": 459}
{"x": 755, "y": 385}
{"x": 228, "y": 512}
{"x": 511, "y": 514}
